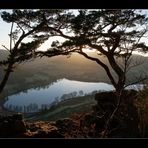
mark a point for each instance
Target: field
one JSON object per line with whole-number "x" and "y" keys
{"x": 64, "y": 109}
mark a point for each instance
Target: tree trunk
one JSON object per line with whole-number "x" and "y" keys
{"x": 119, "y": 90}
{"x": 6, "y": 76}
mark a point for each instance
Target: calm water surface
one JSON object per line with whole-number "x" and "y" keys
{"x": 34, "y": 100}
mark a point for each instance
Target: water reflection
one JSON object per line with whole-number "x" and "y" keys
{"x": 42, "y": 98}
{"x": 34, "y": 107}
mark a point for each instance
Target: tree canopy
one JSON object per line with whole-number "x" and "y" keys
{"x": 112, "y": 33}
{"x": 25, "y": 24}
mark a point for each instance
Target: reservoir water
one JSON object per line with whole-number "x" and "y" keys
{"x": 34, "y": 100}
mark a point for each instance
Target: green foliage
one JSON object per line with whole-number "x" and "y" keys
{"x": 28, "y": 23}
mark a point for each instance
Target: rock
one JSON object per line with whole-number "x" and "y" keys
{"x": 33, "y": 126}
{"x": 66, "y": 125}
{"x": 48, "y": 131}
{"x": 86, "y": 125}
{"x": 19, "y": 126}
{"x": 87, "y": 120}
{"x": 126, "y": 118}
{"x": 43, "y": 129}
{"x": 92, "y": 125}
{"x": 12, "y": 125}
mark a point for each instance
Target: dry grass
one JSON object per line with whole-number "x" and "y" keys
{"x": 142, "y": 105}
{"x": 65, "y": 109}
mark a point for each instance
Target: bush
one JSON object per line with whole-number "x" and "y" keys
{"x": 142, "y": 105}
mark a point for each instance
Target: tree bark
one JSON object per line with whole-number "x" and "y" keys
{"x": 6, "y": 76}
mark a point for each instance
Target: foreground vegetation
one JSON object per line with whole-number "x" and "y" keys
{"x": 84, "y": 117}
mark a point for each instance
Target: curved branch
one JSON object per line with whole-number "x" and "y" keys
{"x": 101, "y": 64}
{"x": 99, "y": 48}
{"x": 6, "y": 48}
{"x": 136, "y": 82}
{"x": 61, "y": 33}
{"x": 21, "y": 28}
{"x": 25, "y": 35}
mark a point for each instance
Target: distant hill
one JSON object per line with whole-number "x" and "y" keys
{"x": 3, "y": 54}
{"x": 42, "y": 71}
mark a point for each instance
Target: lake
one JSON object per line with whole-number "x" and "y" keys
{"x": 34, "y": 100}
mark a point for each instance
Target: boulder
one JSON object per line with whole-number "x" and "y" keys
{"x": 12, "y": 125}
{"x": 66, "y": 125}
{"x": 91, "y": 125}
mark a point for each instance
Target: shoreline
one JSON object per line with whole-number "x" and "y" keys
{"x": 62, "y": 109}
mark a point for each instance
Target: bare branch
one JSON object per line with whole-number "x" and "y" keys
{"x": 136, "y": 82}
{"x": 99, "y": 48}
{"x": 137, "y": 62}
{"x": 11, "y": 36}
{"x": 21, "y": 28}
{"x": 6, "y": 48}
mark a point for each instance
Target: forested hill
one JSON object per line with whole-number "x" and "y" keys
{"x": 41, "y": 71}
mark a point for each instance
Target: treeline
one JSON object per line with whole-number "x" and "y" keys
{"x": 34, "y": 107}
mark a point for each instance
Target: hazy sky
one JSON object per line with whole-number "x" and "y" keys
{"x": 5, "y": 30}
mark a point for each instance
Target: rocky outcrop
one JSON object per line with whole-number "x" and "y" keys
{"x": 91, "y": 125}
{"x": 42, "y": 129}
{"x": 66, "y": 125}
{"x": 125, "y": 122}
{"x": 47, "y": 131}
{"x": 80, "y": 125}
{"x": 12, "y": 125}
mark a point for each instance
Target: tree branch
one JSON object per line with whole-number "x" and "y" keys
{"x": 25, "y": 35}
{"x": 101, "y": 64}
{"x": 6, "y": 48}
{"x": 61, "y": 33}
{"x": 136, "y": 82}
{"x": 21, "y": 28}
{"x": 11, "y": 36}
{"x": 99, "y": 48}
